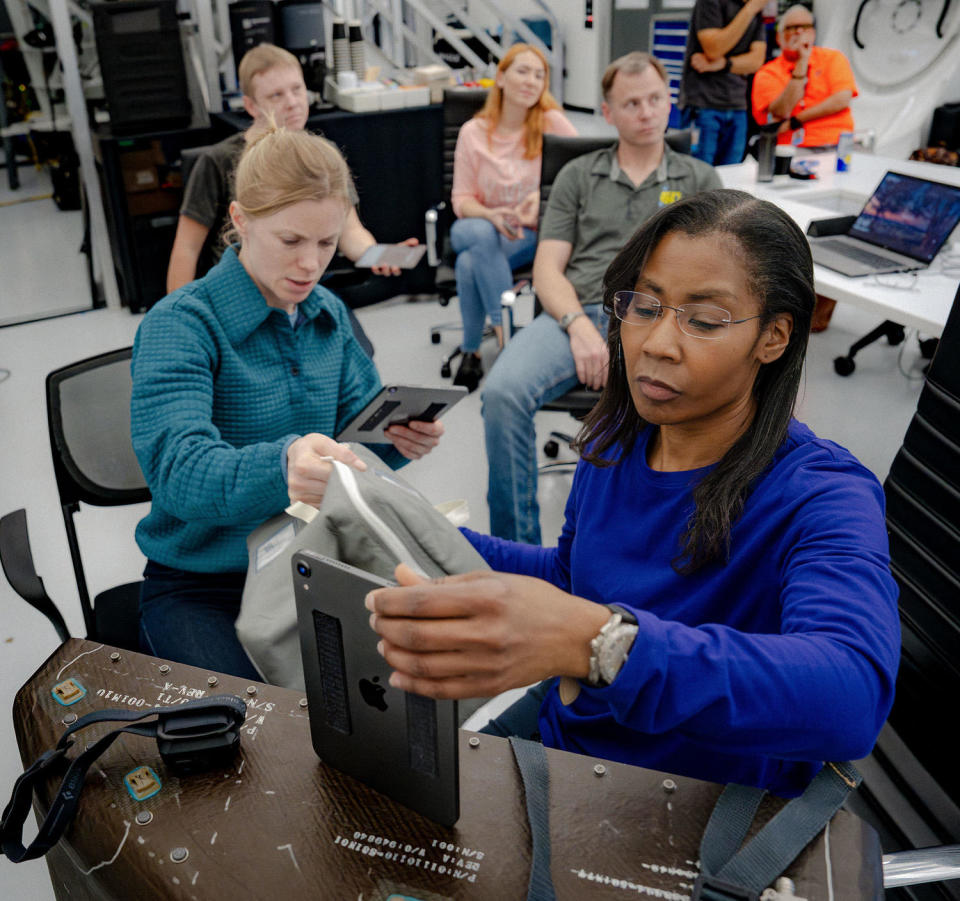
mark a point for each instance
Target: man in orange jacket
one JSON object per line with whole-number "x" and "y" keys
{"x": 807, "y": 89}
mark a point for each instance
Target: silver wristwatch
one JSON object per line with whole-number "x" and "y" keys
{"x": 609, "y": 650}
{"x": 566, "y": 320}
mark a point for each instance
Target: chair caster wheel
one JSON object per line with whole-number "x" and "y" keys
{"x": 444, "y": 301}
{"x": 445, "y": 371}
{"x": 551, "y": 449}
{"x": 434, "y": 337}
{"x": 896, "y": 336}
{"x": 928, "y": 347}
{"x": 843, "y": 365}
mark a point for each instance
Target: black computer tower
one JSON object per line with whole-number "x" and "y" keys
{"x": 252, "y": 22}
{"x": 141, "y": 60}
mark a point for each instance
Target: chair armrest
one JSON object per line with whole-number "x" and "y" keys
{"x": 922, "y": 865}
{"x": 16, "y": 560}
{"x": 508, "y": 300}
{"x": 430, "y": 218}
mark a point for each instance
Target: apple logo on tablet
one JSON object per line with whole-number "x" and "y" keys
{"x": 372, "y": 693}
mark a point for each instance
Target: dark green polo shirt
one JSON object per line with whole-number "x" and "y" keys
{"x": 596, "y": 207}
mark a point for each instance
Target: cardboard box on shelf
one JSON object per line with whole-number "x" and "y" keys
{"x": 139, "y": 172}
{"x": 435, "y": 77}
{"x": 416, "y": 95}
{"x": 144, "y": 203}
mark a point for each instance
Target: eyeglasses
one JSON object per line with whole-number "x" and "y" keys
{"x": 654, "y": 101}
{"x": 796, "y": 29}
{"x": 698, "y": 320}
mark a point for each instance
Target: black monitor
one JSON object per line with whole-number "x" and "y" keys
{"x": 300, "y": 29}
{"x": 301, "y": 26}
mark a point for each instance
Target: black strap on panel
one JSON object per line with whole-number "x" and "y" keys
{"x": 731, "y": 873}
{"x": 200, "y": 730}
{"x": 532, "y": 763}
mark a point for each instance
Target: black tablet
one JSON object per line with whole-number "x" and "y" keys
{"x": 399, "y": 404}
{"x": 398, "y": 743}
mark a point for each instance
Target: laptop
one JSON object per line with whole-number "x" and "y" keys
{"x": 901, "y": 227}
{"x": 403, "y": 745}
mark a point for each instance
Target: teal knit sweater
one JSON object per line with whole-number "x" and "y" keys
{"x": 222, "y": 385}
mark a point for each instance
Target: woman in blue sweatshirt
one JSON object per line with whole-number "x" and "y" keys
{"x": 239, "y": 380}
{"x": 754, "y": 633}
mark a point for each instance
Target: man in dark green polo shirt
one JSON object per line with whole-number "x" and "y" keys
{"x": 597, "y": 202}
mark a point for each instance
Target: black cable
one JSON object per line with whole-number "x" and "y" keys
{"x": 856, "y": 25}
{"x": 943, "y": 15}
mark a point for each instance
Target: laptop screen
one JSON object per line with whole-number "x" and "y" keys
{"x": 909, "y": 215}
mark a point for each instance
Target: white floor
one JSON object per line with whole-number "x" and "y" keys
{"x": 868, "y": 413}
{"x": 42, "y": 271}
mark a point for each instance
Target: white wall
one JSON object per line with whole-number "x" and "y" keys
{"x": 903, "y": 72}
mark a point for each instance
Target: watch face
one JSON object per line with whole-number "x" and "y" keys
{"x": 614, "y": 651}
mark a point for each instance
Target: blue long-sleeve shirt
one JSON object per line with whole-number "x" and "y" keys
{"x": 755, "y": 671}
{"x": 222, "y": 385}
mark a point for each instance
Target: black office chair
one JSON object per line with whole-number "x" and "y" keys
{"x": 911, "y": 788}
{"x": 88, "y": 414}
{"x": 459, "y": 106}
{"x": 557, "y": 152}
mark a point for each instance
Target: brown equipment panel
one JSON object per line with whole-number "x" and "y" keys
{"x": 280, "y": 824}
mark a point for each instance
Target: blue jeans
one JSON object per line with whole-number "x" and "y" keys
{"x": 522, "y": 718}
{"x": 189, "y": 618}
{"x": 535, "y": 367}
{"x": 485, "y": 260}
{"x": 723, "y": 134}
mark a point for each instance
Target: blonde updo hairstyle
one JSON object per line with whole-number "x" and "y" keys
{"x": 281, "y": 167}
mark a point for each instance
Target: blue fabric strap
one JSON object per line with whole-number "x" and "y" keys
{"x": 532, "y": 763}
{"x": 779, "y": 842}
{"x": 727, "y": 826}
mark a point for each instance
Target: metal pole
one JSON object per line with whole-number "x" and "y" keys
{"x": 208, "y": 54}
{"x": 83, "y": 143}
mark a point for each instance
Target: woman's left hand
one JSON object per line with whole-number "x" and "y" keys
{"x": 528, "y": 210}
{"x": 393, "y": 270}
{"x": 416, "y": 439}
{"x": 477, "y": 634}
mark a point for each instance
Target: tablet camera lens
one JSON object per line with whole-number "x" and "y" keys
{"x": 303, "y": 569}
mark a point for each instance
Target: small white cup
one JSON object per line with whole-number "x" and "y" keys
{"x": 346, "y": 81}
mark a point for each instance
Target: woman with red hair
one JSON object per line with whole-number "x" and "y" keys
{"x": 496, "y": 178}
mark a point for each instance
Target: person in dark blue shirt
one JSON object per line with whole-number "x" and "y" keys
{"x": 753, "y": 632}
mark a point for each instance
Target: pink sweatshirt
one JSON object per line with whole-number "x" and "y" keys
{"x": 495, "y": 173}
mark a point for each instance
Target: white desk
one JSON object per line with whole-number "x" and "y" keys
{"x": 927, "y": 307}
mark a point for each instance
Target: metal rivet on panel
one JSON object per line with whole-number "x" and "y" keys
{"x": 179, "y": 855}
{"x": 164, "y": 669}
{"x": 599, "y": 769}
{"x": 669, "y": 785}
{"x": 212, "y": 680}
{"x": 143, "y": 817}
{"x": 473, "y": 741}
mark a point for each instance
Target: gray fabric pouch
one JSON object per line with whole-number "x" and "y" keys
{"x": 372, "y": 520}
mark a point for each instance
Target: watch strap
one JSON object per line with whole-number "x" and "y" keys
{"x": 567, "y": 319}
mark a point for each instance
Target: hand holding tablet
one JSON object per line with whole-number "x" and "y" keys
{"x": 399, "y": 405}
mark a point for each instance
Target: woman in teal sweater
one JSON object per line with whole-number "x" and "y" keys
{"x": 239, "y": 379}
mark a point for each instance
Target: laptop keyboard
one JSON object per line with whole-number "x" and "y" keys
{"x": 856, "y": 253}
